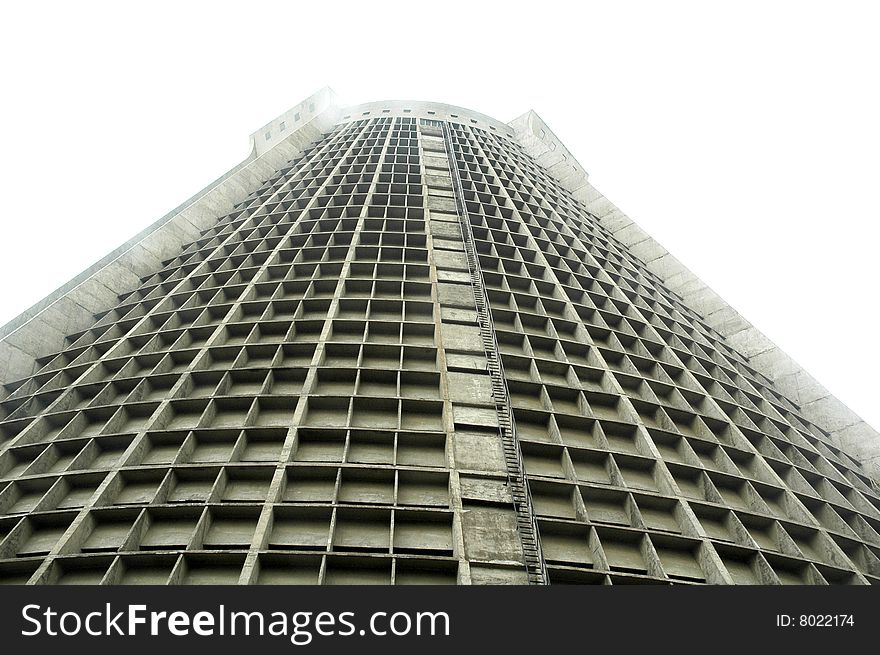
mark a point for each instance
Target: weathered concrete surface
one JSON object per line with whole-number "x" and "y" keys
{"x": 846, "y": 429}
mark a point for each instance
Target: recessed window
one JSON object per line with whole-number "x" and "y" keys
{"x": 282, "y": 126}
{"x": 268, "y": 135}
{"x": 296, "y": 116}
{"x": 311, "y": 106}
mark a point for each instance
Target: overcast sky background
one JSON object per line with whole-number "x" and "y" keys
{"x": 743, "y": 136}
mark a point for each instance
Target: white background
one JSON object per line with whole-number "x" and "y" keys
{"x": 743, "y": 136}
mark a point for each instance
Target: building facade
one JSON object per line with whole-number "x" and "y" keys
{"x": 396, "y": 345}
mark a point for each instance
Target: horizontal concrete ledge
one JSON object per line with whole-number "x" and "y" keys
{"x": 41, "y": 330}
{"x": 847, "y": 431}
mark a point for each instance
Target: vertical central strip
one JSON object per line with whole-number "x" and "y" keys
{"x": 527, "y": 526}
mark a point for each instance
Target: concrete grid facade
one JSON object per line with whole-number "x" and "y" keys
{"x": 409, "y": 354}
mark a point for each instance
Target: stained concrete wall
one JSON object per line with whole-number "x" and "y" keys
{"x": 847, "y": 430}
{"x": 41, "y": 330}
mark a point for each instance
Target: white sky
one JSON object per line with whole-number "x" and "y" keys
{"x": 743, "y": 136}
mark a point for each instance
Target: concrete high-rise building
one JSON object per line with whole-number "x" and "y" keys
{"x": 407, "y": 343}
